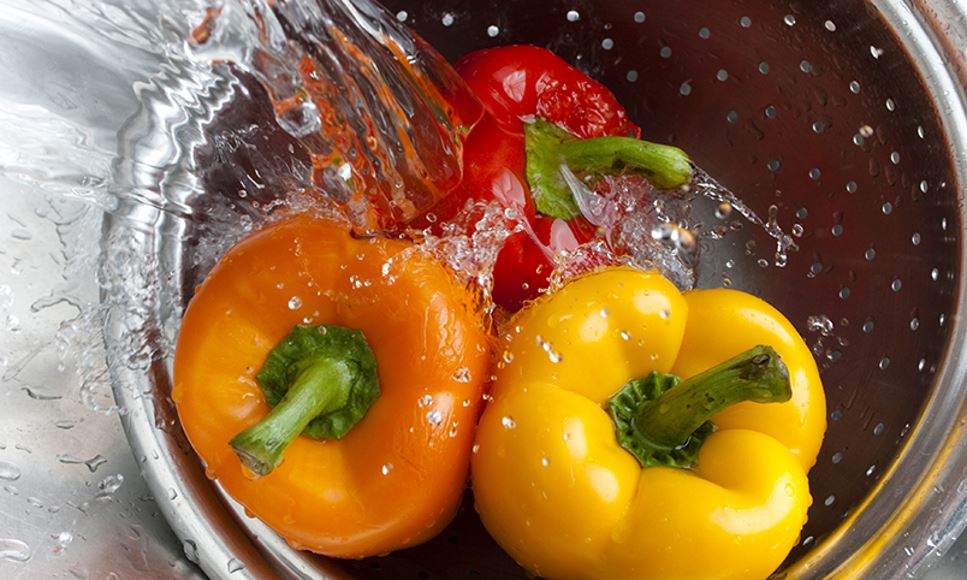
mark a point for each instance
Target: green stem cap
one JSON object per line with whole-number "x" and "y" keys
{"x": 320, "y": 381}
{"x": 663, "y": 420}
{"x": 549, "y": 147}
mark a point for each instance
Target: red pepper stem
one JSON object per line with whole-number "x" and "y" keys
{"x": 549, "y": 148}
{"x": 667, "y": 167}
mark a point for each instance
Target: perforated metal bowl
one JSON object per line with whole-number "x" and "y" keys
{"x": 847, "y": 116}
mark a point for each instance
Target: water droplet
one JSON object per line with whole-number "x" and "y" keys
{"x": 854, "y": 87}
{"x": 63, "y": 540}
{"x": 724, "y": 210}
{"x": 625, "y": 335}
{"x": 14, "y": 550}
{"x": 607, "y": 44}
{"x": 172, "y": 494}
{"x": 191, "y": 550}
{"x": 837, "y": 457}
{"x": 866, "y": 131}
{"x": 434, "y": 417}
{"x": 110, "y": 484}
{"x": 492, "y": 31}
{"x": 545, "y": 461}
{"x": 447, "y": 19}
{"x": 386, "y": 468}
{"x": 574, "y": 16}
{"x": 554, "y": 356}
{"x": 9, "y": 471}
{"x": 790, "y": 20}
{"x": 639, "y": 16}
{"x": 508, "y": 422}
{"x": 235, "y": 565}
{"x": 295, "y": 303}
{"x": 475, "y": 449}
{"x": 425, "y": 401}
{"x": 829, "y": 500}
{"x": 820, "y": 323}
{"x": 461, "y": 375}
{"x": 402, "y": 15}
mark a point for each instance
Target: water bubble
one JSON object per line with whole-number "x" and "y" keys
{"x": 447, "y": 19}
{"x": 508, "y": 422}
{"x": 545, "y": 461}
{"x": 402, "y": 15}
{"x": 295, "y": 303}
{"x": 461, "y": 375}
{"x": 574, "y": 16}
{"x": 386, "y": 468}
{"x": 492, "y": 31}
{"x": 790, "y": 20}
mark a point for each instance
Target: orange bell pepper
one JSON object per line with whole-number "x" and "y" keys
{"x": 396, "y": 477}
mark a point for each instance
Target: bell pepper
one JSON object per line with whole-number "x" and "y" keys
{"x": 637, "y": 432}
{"x": 541, "y": 113}
{"x": 331, "y": 385}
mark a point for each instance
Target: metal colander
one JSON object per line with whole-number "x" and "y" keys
{"x": 840, "y": 119}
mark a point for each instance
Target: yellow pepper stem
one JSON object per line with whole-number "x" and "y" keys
{"x": 662, "y": 420}
{"x": 320, "y": 381}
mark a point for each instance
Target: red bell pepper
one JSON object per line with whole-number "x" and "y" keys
{"x": 541, "y": 113}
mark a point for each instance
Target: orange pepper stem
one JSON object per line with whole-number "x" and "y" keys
{"x": 322, "y": 380}
{"x": 320, "y": 388}
{"x": 662, "y": 420}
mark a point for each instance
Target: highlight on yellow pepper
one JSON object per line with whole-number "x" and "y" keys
{"x": 637, "y": 432}
{"x": 331, "y": 385}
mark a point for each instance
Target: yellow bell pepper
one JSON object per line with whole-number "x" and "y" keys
{"x": 577, "y": 474}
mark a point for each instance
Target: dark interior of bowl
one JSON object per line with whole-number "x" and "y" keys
{"x": 814, "y": 110}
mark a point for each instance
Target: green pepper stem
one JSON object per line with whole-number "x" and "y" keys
{"x": 662, "y": 420}
{"x": 667, "y": 167}
{"x": 321, "y": 387}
